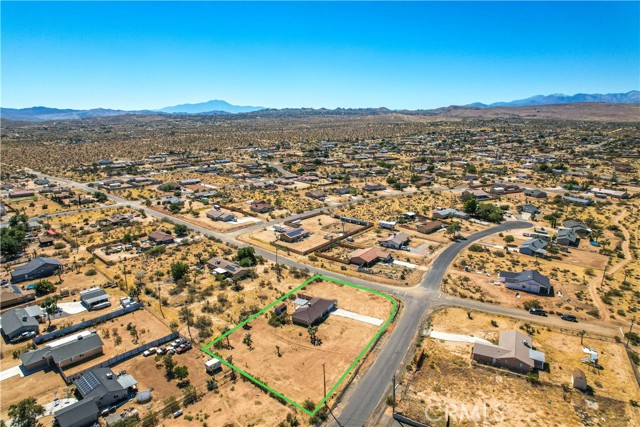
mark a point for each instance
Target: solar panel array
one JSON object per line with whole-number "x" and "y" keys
{"x": 87, "y": 383}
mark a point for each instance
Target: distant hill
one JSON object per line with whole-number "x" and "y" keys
{"x": 209, "y": 106}
{"x": 632, "y": 97}
{"x": 41, "y": 114}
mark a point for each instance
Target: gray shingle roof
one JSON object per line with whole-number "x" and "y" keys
{"x": 34, "y": 265}
{"x": 15, "y": 319}
{"x": 77, "y": 412}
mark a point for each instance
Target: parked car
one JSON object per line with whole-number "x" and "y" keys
{"x": 569, "y": 318}
{"x": 149, "y": 352}
{"x": 177, "y": 413}
{"x": 538, "y": 312}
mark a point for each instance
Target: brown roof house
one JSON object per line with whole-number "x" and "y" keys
{"x": 261, "y": 207}
{"x": 313, "y": 311}
{"x": 161, "y": 238}
{"x": 429, "y": 227}
{"x": 368, "y": 256}
{"x": 514, "y": 351}
{"x": 227, "y": 268}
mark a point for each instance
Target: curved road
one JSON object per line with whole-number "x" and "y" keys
{"x": 365, "y": 395}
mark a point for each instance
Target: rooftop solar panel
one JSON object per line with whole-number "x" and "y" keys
{"x": 16, "y": 289}
{"x": 87, "y": 383}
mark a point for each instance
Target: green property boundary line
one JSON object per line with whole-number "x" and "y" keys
{"x": 344, "y": 375}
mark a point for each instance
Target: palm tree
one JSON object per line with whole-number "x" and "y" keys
{"x": 50, "y": 306}
{"x": 185, "y": 315}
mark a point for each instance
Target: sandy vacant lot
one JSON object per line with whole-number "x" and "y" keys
{"x": 298, "y": 372}
{"x": 449, "y": 381}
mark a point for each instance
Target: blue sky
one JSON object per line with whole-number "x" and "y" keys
{"x": 398, "y": 55}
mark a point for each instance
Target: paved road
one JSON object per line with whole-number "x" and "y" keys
{"x": 367, "y": 392}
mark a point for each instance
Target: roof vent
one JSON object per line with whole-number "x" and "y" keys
{"x": 109, "y": 375}
{"x": 24, "y": 318}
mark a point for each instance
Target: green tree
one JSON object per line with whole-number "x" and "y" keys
{"x": 471, "y": 205}
{"x": 25, "y": 413}
{"x": 180, "y": 373}
{"x": 169, "y": 365}
{"x": 180, "y": 229}
{"x": 509, "y": 239}
{"x": 100, "y": 196}
{"x": 44, "y": 287}
{"x": 179, "y": 270}
{"x": 454, "y": 228}
{"x": 246, "y": 257}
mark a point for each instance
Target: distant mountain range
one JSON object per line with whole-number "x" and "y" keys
{"x": 632, "y": 97}
{"x": 205, "y": 107}
{"x": 218, "y": 107}
{"x": 41, "y": 114}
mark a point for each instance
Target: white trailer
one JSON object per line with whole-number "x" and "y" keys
{"x": 213, "y": 364}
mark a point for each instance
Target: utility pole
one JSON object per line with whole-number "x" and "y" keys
{"x": 604, "y": 273}
{"x": 633, "y": 321}
{"x": 324, "y": 381}
{"x": 393, "y": 397}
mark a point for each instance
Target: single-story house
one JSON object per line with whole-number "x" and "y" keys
{"x": 579, "y": 380}
{"x": 534, "y": 247}
{"x": 368, "y": 256}
{"x": 514, "y": 351}
{"x": 478, "y": 194}
{"x": 577, "y": 200}
{"x": 13, "y": 295}
{"x": 191, "y": 181}
{"x": 395, "y": 241}
{"x": 567, "y": 237}
{"x": 261, "y": 207}
{"x": 36, "y": 269}
{"x": 373, "y": 187}
{"x": 345, "y": 190}
{"x": 389, "y": 225}
{"x": 577, "y": 226}
{"x": 45, "y": 240}
{"x": 172, "y": 200}
{"x": 95, "y": 298}
{"x": 17, "y": 322}
{"x": 220, "y": 215}
{"x": 294, "y": 235}
{"x": 227, "y": 268}
{"x": 429, "y": 227}
{"x": 313, "y": 311}
{"x": 103, "y": 386}
{"x": 504, "y": 188}
{"x": 16, "y": 194}
{"x": 64, "y": 352}
{"x": 316, "y": 194}
{"x": 450, "y": 213}
{"x": 161, "y": 238}
{"x": 538, "y": 194}
{"x": 83, "y": 413}
{"x": 527, "y": 281}
{"x": 528, "y": 208}
{"x": 611, "y": 193}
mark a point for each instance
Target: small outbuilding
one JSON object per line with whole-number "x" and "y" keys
{"x": 579, "y": 380}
